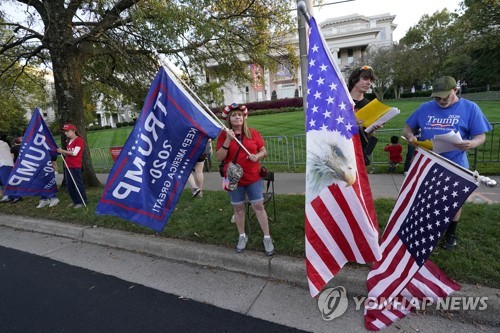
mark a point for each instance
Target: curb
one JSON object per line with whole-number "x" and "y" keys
{"x": 278, "y": 267}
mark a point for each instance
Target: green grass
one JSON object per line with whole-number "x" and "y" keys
{"x": 291, "y": 125}
{"x": 207, "y": 220}
{"x": 108, "y": 138}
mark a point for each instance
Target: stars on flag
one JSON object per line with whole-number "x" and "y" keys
{"x": 327, "y": 97}
{"x": 437, "y": 201}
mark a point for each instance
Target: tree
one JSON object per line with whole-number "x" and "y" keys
{"x": 410, "y": 68}
{"x": 381, "y": 60}
{"x": 479, "y": 59}
{"x": 435, "y": 38}
{"x": 113, "y": 43}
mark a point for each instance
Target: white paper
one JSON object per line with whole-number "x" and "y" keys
{"x": 445, "y": 142}
{"x": 393, "y": 112}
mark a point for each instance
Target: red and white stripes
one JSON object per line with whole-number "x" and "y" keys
{"x": 232, "y": 107}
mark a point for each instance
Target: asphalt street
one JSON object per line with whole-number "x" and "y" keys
{"x": 44, "y": 295}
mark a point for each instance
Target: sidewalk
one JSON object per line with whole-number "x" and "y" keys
{"x": 280, "y": 271}
{"x": 382, "y": 185}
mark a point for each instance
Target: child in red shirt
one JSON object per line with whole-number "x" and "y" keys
{"x": 395, "y": 150}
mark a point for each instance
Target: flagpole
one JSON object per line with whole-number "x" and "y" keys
{"x": 303, "y": 18}
{"x": 73, "y": 179}
{"x": 167, "y": 66}
{"x": 191, "y": 92}
{"x": 482, "y": 179}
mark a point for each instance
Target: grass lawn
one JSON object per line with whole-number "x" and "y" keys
{"x": 292, "y": 123}
{"x": 207, "y": 220}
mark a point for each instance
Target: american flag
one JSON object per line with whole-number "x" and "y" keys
{"x": 340, "y": 223}
{"x": 430, "y": 196}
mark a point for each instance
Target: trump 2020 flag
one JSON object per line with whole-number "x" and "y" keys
{"x": 340, "y": 224}
{"x": 430, "y": 196}
{"x": 33, "y": 174}
{"x": 149, "y": 175}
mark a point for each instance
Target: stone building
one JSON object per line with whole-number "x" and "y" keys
{"x": 348, "y": 37}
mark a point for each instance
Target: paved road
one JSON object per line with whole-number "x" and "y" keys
{"x": 43, "y": 295}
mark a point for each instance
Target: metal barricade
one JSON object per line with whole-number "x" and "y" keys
{"x": 299, "y": 152}
{"x": 277, "y": 150}
{"x": 101, "y": 159}
{"x": 293, "y": 153}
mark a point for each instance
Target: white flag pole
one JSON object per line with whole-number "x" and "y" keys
{"x": 481, "y": 179}
{"x": 167, "y": 66}
{"x": 73, "y": 179}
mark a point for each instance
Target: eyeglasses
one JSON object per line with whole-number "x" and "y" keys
{"x": 365, "y": 68}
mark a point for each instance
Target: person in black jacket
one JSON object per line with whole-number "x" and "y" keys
{"x": 360, "y": 82}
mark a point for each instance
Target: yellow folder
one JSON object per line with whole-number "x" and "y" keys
{"x": 373, "y": 111}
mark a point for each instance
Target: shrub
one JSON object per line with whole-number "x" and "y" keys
{"x": 256, "y": 107}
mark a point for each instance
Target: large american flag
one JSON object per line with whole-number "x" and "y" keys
{"x": 430, "y": 196}
{"x": 340, "y": 223}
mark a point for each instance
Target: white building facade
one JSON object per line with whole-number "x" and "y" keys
{"x": 348, "y": 37}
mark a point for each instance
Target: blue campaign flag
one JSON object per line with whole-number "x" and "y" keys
{"x": 149, "y": 175}
{"x": 33, "y": 174}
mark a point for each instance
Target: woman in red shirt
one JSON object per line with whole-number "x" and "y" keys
{"x": 73, "y": 172}
{"x": 229, "y": 150}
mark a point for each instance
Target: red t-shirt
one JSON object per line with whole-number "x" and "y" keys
{"x": 394, "y": 153}
{"x": 75, "y": 161}
{"x": 251, "y": 170}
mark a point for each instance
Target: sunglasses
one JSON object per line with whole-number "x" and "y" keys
{"x": 439, "y": 99}
{"x": 365, "y": 68}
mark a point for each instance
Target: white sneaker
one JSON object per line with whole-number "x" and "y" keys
{"x": 43, "y": 203}
{"x": 268, "y": 247}
{"x": 242, "y": 244}
{"x": 53, "y": 202}
{"x": 77, "y": 206}
{"x": 5, "y": 199}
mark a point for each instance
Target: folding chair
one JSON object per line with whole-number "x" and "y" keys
{"x": 269, "y": 200}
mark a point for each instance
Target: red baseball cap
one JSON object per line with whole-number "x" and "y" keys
{"x": 69, "y": 127}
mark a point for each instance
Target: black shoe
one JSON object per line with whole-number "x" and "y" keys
{"x": 16, "y": 200}
{"x": 450, "y": 242}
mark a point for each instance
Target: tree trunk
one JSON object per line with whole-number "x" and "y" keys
{"x": 66, "y": 62}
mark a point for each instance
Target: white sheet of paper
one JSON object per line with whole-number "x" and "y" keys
{"x": 393, "y": 112}
{"x": 444, "y": 142}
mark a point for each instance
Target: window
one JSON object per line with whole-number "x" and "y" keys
{"x": 350, "y": 56}
{"x": 383, "y": 34}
